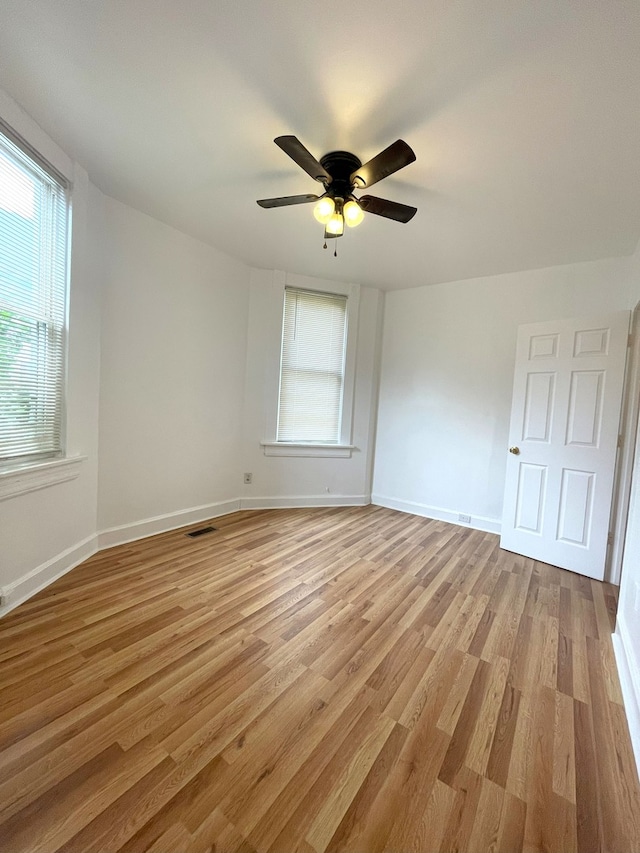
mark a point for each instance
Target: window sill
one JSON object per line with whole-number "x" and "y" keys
{"x": 30, "y": 477}
{"x": 292, "y": 448}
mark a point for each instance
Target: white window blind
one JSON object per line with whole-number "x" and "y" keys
{"x": 312, "y": 366}
{"x": 33, "y": 260}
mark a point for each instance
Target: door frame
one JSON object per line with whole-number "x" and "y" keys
{"x": 626, "y": 455}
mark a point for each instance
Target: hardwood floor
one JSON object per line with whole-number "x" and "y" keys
{"x": 315, "y": 680}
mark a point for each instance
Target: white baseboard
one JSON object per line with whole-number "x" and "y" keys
{"x": 45, "y": 574}
{"x": 163, "y": 523}
{"x": 478, "y": 522}
{"x": 40, "y": 577}
{"x": 297, "y": 502}
{"x": 629, "y": 674}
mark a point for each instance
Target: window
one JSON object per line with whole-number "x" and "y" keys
{"x": 306, "y": 355}
{"x": 312, "y": 367}
{"x": 33, "y": 272}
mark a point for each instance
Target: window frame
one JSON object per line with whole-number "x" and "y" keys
{"x": 14, "y": 470}
{"x": 343, "y": 447}
{"x": 338, "y": 374}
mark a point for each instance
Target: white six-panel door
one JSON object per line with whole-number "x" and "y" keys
{"x": 563, "y": 439}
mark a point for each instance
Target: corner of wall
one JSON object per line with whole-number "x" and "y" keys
{"x": 37, "y": 579}
{"x": 375, "y": 396}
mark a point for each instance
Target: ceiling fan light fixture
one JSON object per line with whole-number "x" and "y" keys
{"x": 341, "y": 173}
{"x": 353, "y": 213}
{"x": 324, "y": 209}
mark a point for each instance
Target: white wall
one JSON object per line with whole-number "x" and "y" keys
{"x": 44, "y": 532}
{"x": 174, "y": 342}
{"x": 290, "y": 481}
{"x": 446, "y": 381}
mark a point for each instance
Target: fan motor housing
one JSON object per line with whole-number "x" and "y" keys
{"x": 340, "y": 165}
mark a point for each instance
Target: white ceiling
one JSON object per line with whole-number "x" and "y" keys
{"x": 524, "y": 116}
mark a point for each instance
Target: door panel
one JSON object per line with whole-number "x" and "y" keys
{"x": 538, "y": 407}
{"x": 585, "y": 408}
{"x": 589, "y": 342}
{"x": 543, "y": 346}
{"x": 532, "y": 482}
{"x": 576, "y": 503}
{"x": 565, "y": 417}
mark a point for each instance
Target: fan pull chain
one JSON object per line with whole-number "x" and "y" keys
{"x": 335, "y": 251}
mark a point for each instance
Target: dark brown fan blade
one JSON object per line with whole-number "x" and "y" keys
{"x": 287, "y": 199}
{"x": 396, "y": 156}
{"x": 292, "y": 146}
{"x": 389, "y": 209}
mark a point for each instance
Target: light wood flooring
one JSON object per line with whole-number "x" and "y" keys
{"x": 315, "y": 680}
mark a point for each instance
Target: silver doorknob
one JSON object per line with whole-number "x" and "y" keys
{"x": 515, "y": 451}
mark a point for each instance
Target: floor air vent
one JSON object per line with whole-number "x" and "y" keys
{"x": 195, "y": 533}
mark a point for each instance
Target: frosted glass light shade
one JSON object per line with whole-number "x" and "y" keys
{"x": 335, "y": 225}
{"x": 353, "y": 213}
{"x": 324, "y": 209}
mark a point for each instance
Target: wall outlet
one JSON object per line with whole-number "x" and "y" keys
{"x": 465, "y": 519}
{"x": 248, "y": 479}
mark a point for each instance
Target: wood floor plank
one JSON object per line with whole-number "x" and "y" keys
{"x": 564, "y": 763}
{"x": 486, "y": 827}
{"x": 293, "y": 799}
{"x": 299, "y": 681}
{"x": 355, "y": 829}
{"x": 502, "y": 745}
{"x": 512, "y": 824}
{"x": 331, "y": 812}
{"x": 462, "y": 817}
{"x": 298, "y": 823}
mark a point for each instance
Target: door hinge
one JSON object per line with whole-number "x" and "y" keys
{"x": 630, "y": 341}
{"x": 610, "y": 539}
{"x": 620, "y": 440}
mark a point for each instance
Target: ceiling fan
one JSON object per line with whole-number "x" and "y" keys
{"x": 341, "y": 173}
